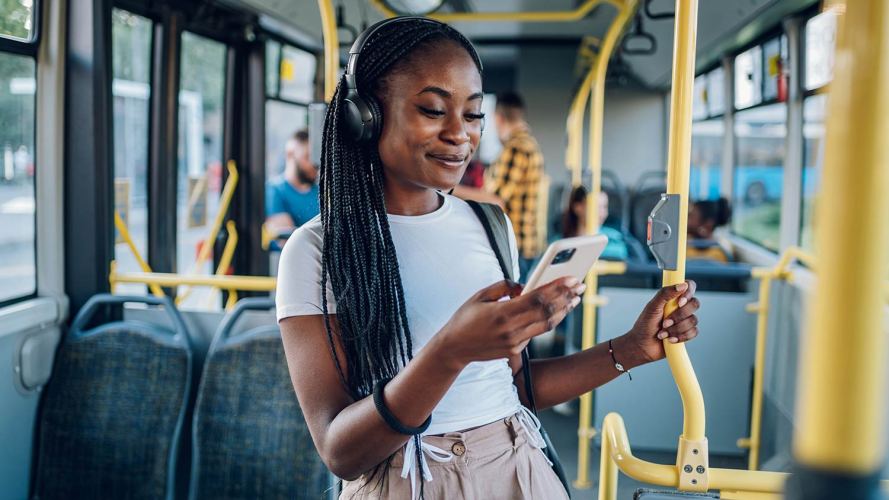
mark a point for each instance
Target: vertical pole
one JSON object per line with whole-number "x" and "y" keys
{"x": 331, "y": 48}
{"x": 585, "y": 430}
{"x": 838, "y": 442}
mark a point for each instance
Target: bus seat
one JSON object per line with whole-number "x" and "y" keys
{"x": 645, "y": 196}
{"x": 250, "y": 439}
{"x": 112, "y": 414}
{"x": 648, "y": 494}
{"x": 618, "y": 201}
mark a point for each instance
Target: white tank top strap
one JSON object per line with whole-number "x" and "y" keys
{"x": 410, "y": 461}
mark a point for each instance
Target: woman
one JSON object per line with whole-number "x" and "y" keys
{"x": 574, "y": 223}
{"x": 412, "y": 293}
{"x": 704, "y": 217}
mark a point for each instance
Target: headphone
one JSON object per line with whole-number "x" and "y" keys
{"x": 364, "y": 120}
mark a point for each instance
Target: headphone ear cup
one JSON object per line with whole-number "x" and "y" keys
{"x": 356, "y": 114}
{"x": 375, "y": 125}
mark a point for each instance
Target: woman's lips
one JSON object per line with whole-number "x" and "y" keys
{"x": 452, "y": 161}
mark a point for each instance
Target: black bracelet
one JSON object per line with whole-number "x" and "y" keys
{"x": 617, "y": 365}
{"x": 389, "y": 418}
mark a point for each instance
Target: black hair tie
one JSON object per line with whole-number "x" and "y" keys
{"x": 389, "y": 418}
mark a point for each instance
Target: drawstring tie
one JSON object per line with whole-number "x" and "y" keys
{"x": 529, "y": 421}
{"x": 410, "y": 465}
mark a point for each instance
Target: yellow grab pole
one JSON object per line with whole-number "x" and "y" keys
{"x": 692, "y": 454}
{"x": 243, "y": 283}
{"x": 542, "y": 16}
{"x": 585, "y": 430}
{"x": 128, "y": 239}
{"x": 761, "y": 308}
{"x": 225, "y": 199}
{"x": 842, "y": 376}
{"x": 331, "y": 48}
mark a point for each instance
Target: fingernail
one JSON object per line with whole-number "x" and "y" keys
{"x": 681, "y": 286}
{"x": 662, "y": 335}
{"x": 683, "y": 301}
{"x": 573, "y": 282}
{"x": 582, "y": 288}
{"x": 668, "y": 323}
{"x": 673, "y": 340}
{"x": 574, "y": 302}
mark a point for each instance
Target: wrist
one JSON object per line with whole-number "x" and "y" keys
{"x": 444, "y": 355}
{"x": 628, "y": 352}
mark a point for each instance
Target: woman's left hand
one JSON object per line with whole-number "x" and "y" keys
{"x": 645, "y": 339}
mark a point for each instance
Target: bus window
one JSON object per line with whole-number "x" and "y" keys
{"x": 748, "y": 78}
{"x": 201, "y": 108}
{"x": 814, "y": 108}
{"x": 758, "y": 173}
{"x": 131, "y": 88}
{"x": 18, "y": 273}
{"x": 17, "y": 20}
{"x": 282, "y": 120}
{"x": 297, "y": 74}
{"x": 706, "y": 159}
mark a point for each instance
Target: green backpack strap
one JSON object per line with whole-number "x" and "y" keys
{"x": 494, "y": 221}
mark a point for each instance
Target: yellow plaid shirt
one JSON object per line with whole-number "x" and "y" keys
{"x": 515, "y": 179}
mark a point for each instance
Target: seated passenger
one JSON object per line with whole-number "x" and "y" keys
{"x": 574, "y": 223}
{"x": 704, "y": 217}
{"x": 407, "y": 364}
{"x": 291, "y": 200}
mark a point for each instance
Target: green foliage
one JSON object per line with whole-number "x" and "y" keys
{"x": 15, "y": 18}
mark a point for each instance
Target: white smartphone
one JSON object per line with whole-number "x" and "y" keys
{"x": 567, "y": 257}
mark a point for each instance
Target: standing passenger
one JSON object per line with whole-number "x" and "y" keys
{"x": 406, "y": 363}
{"x": 516, "y": 175}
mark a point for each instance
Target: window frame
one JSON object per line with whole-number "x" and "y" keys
{"x": 774, "y": 33}
{"x": 29, "y": 48}
{"x": 279, "y": 60}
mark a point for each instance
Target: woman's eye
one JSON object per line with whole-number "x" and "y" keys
{"x": 474, "y": 116}
{"x": 431, "y": 112}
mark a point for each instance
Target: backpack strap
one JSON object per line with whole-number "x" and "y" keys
{"x": 494, "y": 221}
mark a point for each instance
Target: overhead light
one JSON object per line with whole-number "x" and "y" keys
{"x": 414, "y": 7}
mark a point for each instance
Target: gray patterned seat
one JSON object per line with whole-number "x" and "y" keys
{"x": 250, "y": 439}
{"x": 111, "y": 416}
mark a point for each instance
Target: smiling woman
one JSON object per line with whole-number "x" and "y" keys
{"x": 405, "y": 361}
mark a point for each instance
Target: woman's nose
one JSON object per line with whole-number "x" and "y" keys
{"x": 455, "y": 130}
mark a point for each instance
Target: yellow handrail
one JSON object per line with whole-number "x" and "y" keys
{"x": 128, "y": 239}
{"x": 592, "y": 86}
{"x": 843, "y": 391}
{"x": 228, "y": 283}
{"x": 780, "y": 271}
{"x": 331, "y": 48}
{"x": 225, "y": 199}
{"x": 566, "y": 16}
{"x": 225, "y": 261}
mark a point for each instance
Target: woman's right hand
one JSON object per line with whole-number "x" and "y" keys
{"x": 486, "y": 328}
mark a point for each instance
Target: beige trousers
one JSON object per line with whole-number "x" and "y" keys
{"x": 492, "y": 462}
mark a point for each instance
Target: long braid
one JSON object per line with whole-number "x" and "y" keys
{"x": 359, "y": 260}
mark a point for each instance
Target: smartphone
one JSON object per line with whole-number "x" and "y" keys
{"x": 567, "y": 257}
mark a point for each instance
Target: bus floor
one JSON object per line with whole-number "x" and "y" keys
{"x": 563, "y": 432}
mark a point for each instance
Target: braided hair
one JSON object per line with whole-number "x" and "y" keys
{"x": 358, "y": 255}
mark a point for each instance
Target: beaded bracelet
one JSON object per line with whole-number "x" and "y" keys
{"x": 389, "y": 418}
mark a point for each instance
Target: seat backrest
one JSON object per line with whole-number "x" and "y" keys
{"x": 649, "y": 494}
{"x": 113, "y": 411}
{"x": 250, "y": 439}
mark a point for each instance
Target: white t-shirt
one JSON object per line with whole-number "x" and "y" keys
{"x": 444, "y": 258}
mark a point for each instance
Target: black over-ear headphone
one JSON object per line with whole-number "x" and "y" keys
{"x": 362, "y": 113}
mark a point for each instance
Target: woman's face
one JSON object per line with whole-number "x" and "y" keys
{"x": 431, "y": 119}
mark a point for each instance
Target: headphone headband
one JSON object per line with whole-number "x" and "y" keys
{"x": 362, "y": 114}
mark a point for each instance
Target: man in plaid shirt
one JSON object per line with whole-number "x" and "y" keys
{"x": 515, "y": 175}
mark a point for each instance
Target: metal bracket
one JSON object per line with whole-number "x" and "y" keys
{"x": 663, "y": 234}
{"x": 693, "y": 462}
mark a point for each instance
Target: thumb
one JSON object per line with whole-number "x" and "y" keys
{"x": 666, "y": 294}
{"x": 499, "y": 290}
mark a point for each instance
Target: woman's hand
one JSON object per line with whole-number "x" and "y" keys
{"x": 486, "y": 328}
{"x": 644, "y": 342}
